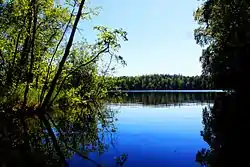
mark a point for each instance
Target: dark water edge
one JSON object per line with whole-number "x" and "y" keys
{"x": 181, "y": 91}
{"x": 166, "y": 99}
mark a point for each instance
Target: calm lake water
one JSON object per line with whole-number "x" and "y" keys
{"x": 156, "y": 129}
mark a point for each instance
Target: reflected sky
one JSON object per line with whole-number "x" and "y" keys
{"x": 160, "y": 135}
{"x": 155, "y": 135}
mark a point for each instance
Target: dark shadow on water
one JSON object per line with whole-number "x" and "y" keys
{"x": 168, "y": 99}
{"x": 226, "y": 127}
{"x": 77, "y": 138}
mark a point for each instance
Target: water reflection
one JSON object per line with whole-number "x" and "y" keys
{"x": 75, "y": 135}
{"x": 225, "y": 131}
{"x": 168, "y": 99}
{"x": 87, "y": 134}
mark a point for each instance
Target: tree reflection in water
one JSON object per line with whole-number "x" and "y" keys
{"x": 168, "y": 99}
{"x": 225, "y": 131}
{"x": 81, "y": 135}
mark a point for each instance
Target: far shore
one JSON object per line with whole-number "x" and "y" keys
{"x": 183, "y": 91}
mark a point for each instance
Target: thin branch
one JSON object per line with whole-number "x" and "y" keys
{"x": 44, "y": 51}
{"x": 79, "y": 31}
{"x": 38, "y": 26}
{"x": 104, "y": 74}
{"x": 32, "y": 57}
{"x": 53, "y": 137}
{"x": 28, "y": 79}
{"x": 110, "y": 61}
{"x": 74, "y": 70}
{"x": 71, "y": 148}
{"x": 1, "y": 55}
{"x": 66, "y": 54}
{"x": 46, "y": 136}
{"x": 87, "y": 63}
{"x": 58, "y": 44}
{"x": 83, "y": 156}
{"x": 24, "y": 53}
{"x": 17, "y": 42}
{"x": 50, "y": 39}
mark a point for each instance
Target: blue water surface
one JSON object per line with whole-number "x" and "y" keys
{"x": 154, "y": 136}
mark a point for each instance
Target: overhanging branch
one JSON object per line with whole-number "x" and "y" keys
{"x": 77, "y": 68}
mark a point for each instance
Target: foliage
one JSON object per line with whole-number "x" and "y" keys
{"x": 162, "y": 82}
{"x": 52, "y": 98}
{"x": 224, "y": 32}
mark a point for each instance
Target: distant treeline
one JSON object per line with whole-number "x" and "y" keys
{"x": 162, "y": 82}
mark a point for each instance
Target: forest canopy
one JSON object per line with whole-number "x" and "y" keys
{"x": 162, "y": 82}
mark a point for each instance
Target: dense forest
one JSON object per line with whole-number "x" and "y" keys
{"x": 162, "y": 82}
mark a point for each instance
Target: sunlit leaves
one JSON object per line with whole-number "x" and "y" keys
{"x": 89, "y": 13}
{"x": 77, "y": 104}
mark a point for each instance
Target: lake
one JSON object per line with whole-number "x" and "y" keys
{"x": 156, "y": 129}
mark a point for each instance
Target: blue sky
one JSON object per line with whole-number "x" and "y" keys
{"x": 160, "y": 34}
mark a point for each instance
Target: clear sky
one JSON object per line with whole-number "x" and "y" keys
{"x": 160, "y": 35}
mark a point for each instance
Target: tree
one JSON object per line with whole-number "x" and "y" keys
{"x": 48, "y": 80}
{"x": 224, "y": 31}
